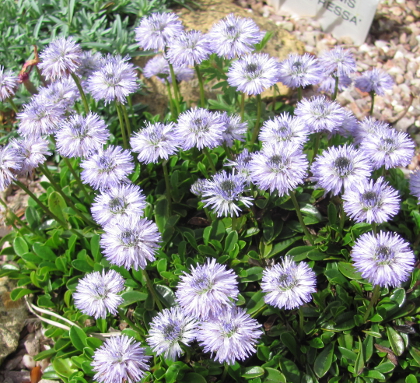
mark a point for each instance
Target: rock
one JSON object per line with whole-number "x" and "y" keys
{"x": 14, "y": 376}
{"x": 32, "y": 344}
{"x": 48, "y": 381}
{"x": 28, "y": 361}
{"x": 404, "y": 123}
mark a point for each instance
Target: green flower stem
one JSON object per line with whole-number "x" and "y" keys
{"x": 373, "y": 300}
{"x": 176, "y": 90}
{"x": 242, "y": 106}
{"x": 334, "y": 96}
{"x": 372, "y": 97}
{"x": 300, "y": 218}
{"x": 273, "y": 107}
{"x": 171, "y": 101}
{"x": 228, "y": 151}
{"x": 342, "y": 217}
{"x": 207, "y": 154}
{"x": 299, "y": 93}
{"x": 152, "y": 290}
{"x": 126, "y": 119}
{"x": 13, "y": 105}
{"x": 82, "y": 93}
{"x": 168, "y": 186}
{"x": 140, "y": 332}
{"x": 257, "y": 122}
{"x": 374, "y": 228}
{"x": 201, "y": 84}
{"x": 121, "y": 119}
{"x": 225, "y": 371}
{"x": 259, "y": 311}
{"x": 77, "y": 178}
{"x": 301, "y": 322}
{"x": 316, "y": 146}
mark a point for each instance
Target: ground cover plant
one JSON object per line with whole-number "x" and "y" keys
{"x": 244, "y": 238}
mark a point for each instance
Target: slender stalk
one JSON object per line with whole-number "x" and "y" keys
{"x": 82, "y": 93}
{"x": 211, "y": 163}
{"x": 120, "y": 118}
{"x": 225, "y": 371}
{"x": 273, "y": 107}
{"x": 259, "y": 311}
{"x": 176, "y": 90}
{"x": 201, "y": 84}
{"x": 334, "y": 96}
{"x": 373, "y": 300}
{"x": 374, "y": 228}
{"x": 13, "y": 105}
{"x": 342, "y": 217}
{"x": 242, "y": 106}
{"x": 168, "y": 187}
{"x": 300, "y": 218}
{"x": 299, "y": 91}
{"x": 316, "y": 146}
{"x": 372, "y": 97}
{"x": 126, "y": 119}
{"x": 140, "y": 332}
{"x": 76, "y": 177}
{"x": 301, "y": 322}
{"x": 152, "y": 290}
{"x": 171, "y": 101}
{"x": 257, "y": 123}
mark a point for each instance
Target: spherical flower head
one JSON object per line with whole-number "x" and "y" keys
{"x": 288, "y": 284}
{"x": 11, "y": 161}
{"x": 189, "y": 48}
{"x": 300, "y": 71}
{"x": 131, "y": 242}
{"x": 8, "y": 84}
{"x": 61, "y": 57}
{"x": 391, "y": 148}
{"x": 62, "y": 93}
{"x": 200, "y": 128}
{"x": 170, "y": 328}
{"x": 279, "y": 167}
{"x": 156, "y": 30}
{"x": 349, "y": 125}
{"x": 235, "y": 129}
{"x": 284, "y": 128}
{"x": 320, "y": 114}
{"x": 81, "y": 136}
{"x": 118, "y": 202}
{"x": 158, "y": 66}
{"x": 155, "y": 142}
{"x": 241, "y": 164}
{"x": 198, "y": 186}
{"x": 98, "y": 294}
{"x": 234, "y": 36}
{"x": 33, "y": 151}
{"x": 231, "y": 336}
{"x": 90, "y": 63}
{"x": 253, "y": 73}
{"x": 384, "y": 259}
{"x": 107, "y": 168}
{"x": 224, "y": 192}
{"x": 370, "y": 201}
{"x": 208, "y": 291}
{"x": 369, "y": 127}
{"x": 114, "y": 81}
{"x": 327, "y": 84}
{"x": 120, "y": 359}
{"x": 339, "y": 167}
{"x": 338, "y": 62}
{"x": 415, "y": 184}
{"x": 182, "y": 74}
{"x": 375, "y": 80}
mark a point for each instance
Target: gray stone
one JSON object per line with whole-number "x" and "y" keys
{"x": 404, "y": 123}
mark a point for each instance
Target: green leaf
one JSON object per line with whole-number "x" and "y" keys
{"x": 316, "y": 343}
{"x": 95, "y": 248}
{"x": 166, "y": 295}
{"x": 131, "y": 297}
{"x": 44, "y": 354}
{"x": 94, "y": 343}
{"x": 63, "y": 367}
{"x": 290, "y": 371}
{"x": 280, "y": 246}
{"x": 396, "y": 341}
{"x": 230, "y": 241}
{"x": 78, "y": 337}
{"x": 193, "y": 377}
{"x": 252, "y": 372}
{"x": 255, "y": 300}
{"x": 359, "y": 365}
{"x": 20, "y": 246}
{"x": 290, "y": 342}
{"x": 348, "y": 270}
{"x": 82, "y": 265}
{"x": 19, "y": 293}
{"x": 57, "y": 205}
{"x": 385, "y": 367}
{"x": 32, "y": 217}
{"x": 348, "y": 354}
{"x": 415, "y": 353}
{"x": 274, "y": 375}
{"x": 398, "y": 296}
{"x": 411, "y": 379}
{"x": 44, "y": 252}
{"x": 324, "y": 360}
{"x": 374, "y": 374}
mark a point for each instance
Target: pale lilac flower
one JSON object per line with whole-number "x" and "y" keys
{"x": 370, "y": 201}
{"x": 62, "y": 93}
{"x": 107, "y": 168}
{"x": 200, "y": 128}
{"x": 327, "y": 84}
{"x": 374, "y": 80}
{"x": 300, "y": 71}
{"x": 234, "y": 129}
{"x": 157, "y": 30}
{"x": 158, "y": 66}
{"x": 369, "y": 127}
{"x": 114, "y": 81}
{"x": 288, "y": 284}
{"x": 99, "y": 294}
{"x": 415, "y": 184}
{"x": 338, "y": 62}
{"x": 349, "y": 125}
{"x": 120, "y": 359}
{"x": 130, "y": 242}
{"x": 119, "y": 202}
{"x": 8, "y": 84}
{"x": 189, "y": 48}
{"x": 339, "y": 167}
{"x": 223, "y": 193}
{"x": 279, "y": 167}
{"x": 241, "y": 164}
{"x": 90, "y": 63}
{"x": 33, "y": 151}
{"x": 81, "y": 136}
{"x": 170, "y": 328}
{"x": 208, "y": 291}
{"x": 384, "y": 259}
{"x": 155, "y": 142}
{"x": 198, "y": 186}
{"x": 320, "y": 114}
{"x": 284, "y": 128}
{"x": 10, "y": 164}
{"x": 390, "y": 148}
{"x": 231, "y": 336}
{"x": 61, "y": 57}
{"x": 234, "y": 36}
{"x": 253, "y": 73}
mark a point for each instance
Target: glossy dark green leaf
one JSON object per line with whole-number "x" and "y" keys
{"x": 348, "y": 270}
{"x": 411, "y": 379}
{"x": 57, "y": 205}
{"x": 131, "y": 297}
{"x": 193, "y": 377}
{"x": 348, "y": 354}
{"x": 316, "y": 343}
{"x": 252, "y": 372}
{"x": 82, "y": 265}
{"x": 398, "y": 296}
{"x": 64, "y": 367}
{"x": 20, "y": 246}
{"x": 78, "y": 337}
{"x": 396, "y": 341}
{"x": 415, "y": 353}
{"x": 359, "y": 364}
{"x": 324, "y": 360}
{"x": 290, "y": 342}
{"x": 273, "y": 376}
{"x": 44, "y": 252}
{"x": 255, "y": 300}
{"x": 375, "y": 374}
{"x": 166, "y": 295}
{"x": 230, "y": 241}
{"x": 385, "y": 367}
{"x": 290, "y": 371}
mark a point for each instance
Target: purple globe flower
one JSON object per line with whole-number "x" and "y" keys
{"x": 349, "y": 125}
{"x": 120, "y": 359}
{"x": 8, "y": 84}
{"x": 253, "y": 73}
{"x": 234, "y": 129}
{"x": 97, "y": 294}
{"x": 415, "y": 184}
{"x": 288, "y": 284}
{"x": 234, "y": 36}
{"x": 157, "y": 30}
{"x": 230, "y": 336}
{"x": 338, "y": 168}
{"x": 338, "y": 62}
{"x": 370, "y": 201}
{"x": 278, "y": 167}
{"x": 61, "y": 57}
{"x": 327, "y": 84}
{"x": 241, "y": 164}
{"x": 198, "y": 186}
{"x": 384, "y": 259}
{"x": 90, "y": 63}
{"x": 170, "y": 328}
{"x": 158, "y": 66}
{"x": 11, "y": 161}
{"x": 374, "y": 80}
{"x": 208, "y": 291}
{"x": 369, "y": 127}
{"x": 62, "y": 93}
{"x": 224, "y": 192}
{"x": 300, "y": 71}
